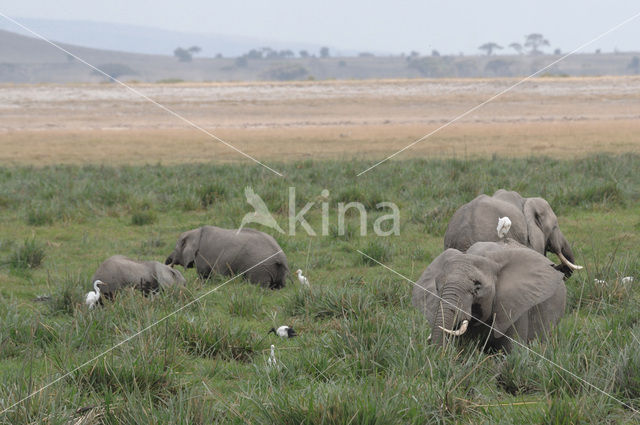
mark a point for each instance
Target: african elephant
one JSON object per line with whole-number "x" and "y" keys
{"x": 119, "y": 271}
{"x": 255, "y": 254}
{"x": 501, "y": 283}
{"x": 533, "y": 224}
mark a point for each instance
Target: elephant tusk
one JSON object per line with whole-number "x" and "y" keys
{"x": 569, "y": 263}
{"x": 459, "y": 332}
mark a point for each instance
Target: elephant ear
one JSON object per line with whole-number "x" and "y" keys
{"x": 525, "y": 279}
{"x": 534, "y": 209}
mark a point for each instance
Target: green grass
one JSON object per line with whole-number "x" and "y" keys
{"x": 362, "y": 355}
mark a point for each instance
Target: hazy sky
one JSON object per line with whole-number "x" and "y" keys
{"x": 381, "y": 26}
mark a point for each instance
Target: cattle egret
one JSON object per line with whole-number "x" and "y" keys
{"x": 93, "y": 297}
{"x": 284, "y": 332}
{"x": 303, "y": 280}
{"x": 627, "y": 279}
{"x": 600, "y": 281}
{"x": 272, "y": 362}
{"x": 504, "y": 224}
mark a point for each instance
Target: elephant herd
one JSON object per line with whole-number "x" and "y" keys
{"x": 500, "y": 288}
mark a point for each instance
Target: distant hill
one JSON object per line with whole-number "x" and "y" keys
{"x": 147, "y": 40}
{"x": 30, "y": 60}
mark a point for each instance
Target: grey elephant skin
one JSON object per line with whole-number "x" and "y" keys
{"x": 118, "y": 272}
{"x": 501, "y": 283}
{"x": 533, "y": 224}
{"x": 212, "y": 249}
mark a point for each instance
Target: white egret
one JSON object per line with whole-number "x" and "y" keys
{"x": 93, "y": 297}
{"x": 504, "y": 224}
{"x": 272, "y": 362}
{"x": 303, "y": 280}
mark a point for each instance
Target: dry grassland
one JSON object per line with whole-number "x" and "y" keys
{"x": 104, "y": 123}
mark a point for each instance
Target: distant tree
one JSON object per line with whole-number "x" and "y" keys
{"x": 557, "y": 52}
{"x": 324, "y": 52}
{"x": 366, "y": 55}
{"x": 303, "y": 54}
{"x": 517, "y": 47}
{"x": 414, "y": 54}
{"x": 286, "y": 53}
{"x": 634, "y": 65}
{"x": 490, "y": 47}
{"x": 183, "y": 55}
{"x": 219, "y": 56}
{"x": 194, "y": 49}
{"x": 254, "y": 54}
{"x": 434, "y": 52}
{"x": 534, "y": 41}
{"x": 598, "y": 51}
{"x": 269, "y": 53}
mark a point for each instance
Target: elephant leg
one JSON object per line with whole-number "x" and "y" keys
{"x": 518, "y": 331}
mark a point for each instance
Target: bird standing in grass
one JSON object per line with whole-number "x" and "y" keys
{"x": 627, "y": 279}
{"x": 93, "y": 297}
{"x": 272, "y": 362}
{"x": 303, "y": 280}
{"x": 284, "y": 332}
{"x": 504, "y": 224}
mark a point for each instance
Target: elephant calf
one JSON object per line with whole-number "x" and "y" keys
{"x": 118, "y": 272}
{"x": 533, "y": 224}
{"x": 250, "y": 252}
{"x": 503, "y": 284}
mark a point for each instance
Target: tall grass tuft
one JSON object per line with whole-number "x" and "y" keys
{"x": 202, "y": 338}
{"x": 211, "y": 193}
{"x": 68, "y": 296}
{"x": 381, "y": 251}
{"x": 27, "y": 256}
{"x": 144, "y": 217}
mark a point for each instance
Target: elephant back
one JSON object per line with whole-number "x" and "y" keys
{"x": 477, "y": 220}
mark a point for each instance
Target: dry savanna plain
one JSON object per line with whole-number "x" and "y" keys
{"x": 106, "y": 123}
{"x": 92, "y": 170}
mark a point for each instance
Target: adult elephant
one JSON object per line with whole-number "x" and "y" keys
{"x": 211, "y": 249}
{"x": 533, "y": 224}
{"x": 503, "y": 284}
{"x": 118, "y": 272}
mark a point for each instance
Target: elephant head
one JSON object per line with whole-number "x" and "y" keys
{"x": 544, "y": 233}
{"x": 186, "y": 249}
{"x": 492, "y": 284}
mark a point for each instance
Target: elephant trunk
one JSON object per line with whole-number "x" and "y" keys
{"x": 446, "y": 320}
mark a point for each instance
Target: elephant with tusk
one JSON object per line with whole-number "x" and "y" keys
{"x": 498, "y": 291}
{"x": 212, "y": 249}
{"x": 533, "y": 224}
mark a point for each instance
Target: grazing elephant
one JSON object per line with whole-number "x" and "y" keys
{"x": 501, "y": 283}
{"x": 533, "y": 224}
{"x": 118, "y": 272}
{"x": 248, "y": 251}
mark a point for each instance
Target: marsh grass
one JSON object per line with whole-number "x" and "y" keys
{"x": 362, "y": 354}
{"x": 29, "y": 255}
